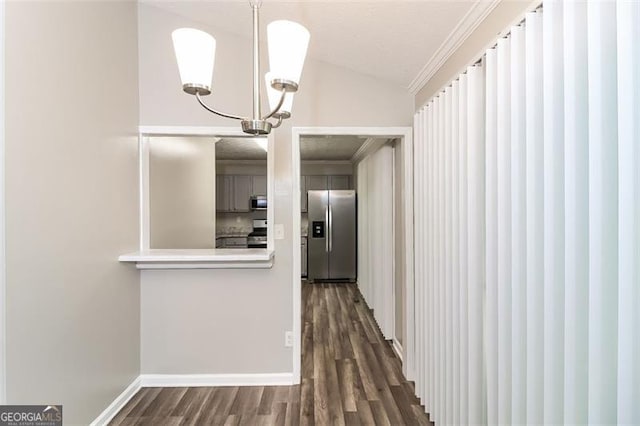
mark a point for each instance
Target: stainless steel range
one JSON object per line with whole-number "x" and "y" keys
{"x": 258, "y": 238}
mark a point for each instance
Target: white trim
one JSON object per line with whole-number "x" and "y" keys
{"x": 479, "y": 56}
{"x": 397, "y": 348}
{"x": 118, "y": 404}
{"x": 478, "y": 12}
{"x": 195, "y": 380}
{"x": 405, "y": 134}
{"x": 200, "y": 258}
{"x": 3, "y": 270}
{"x": 224, "y": 132}
{"x": 144, "y": 193}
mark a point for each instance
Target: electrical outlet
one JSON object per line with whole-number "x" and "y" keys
{"x": 288, "y": 339}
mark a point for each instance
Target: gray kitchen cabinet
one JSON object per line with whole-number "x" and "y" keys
{"x": 303, "y": 193}
{"x": 233, "y": 193}
{"x": 340, "y": 182}
{"x": 317, "y": 183}
{"x": 259, "y": 185}
{"x": 242, "y": 191}
{"x": 223, "y": 193}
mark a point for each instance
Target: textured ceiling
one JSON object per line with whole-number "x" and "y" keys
{"x": 239, "y": 149}
{"x": 390, "y": 40}
{"x": 329, "y": 148}
{"x": 316, "y": 148}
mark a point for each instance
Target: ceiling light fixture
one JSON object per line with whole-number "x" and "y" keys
{"x": 195, "y": 52}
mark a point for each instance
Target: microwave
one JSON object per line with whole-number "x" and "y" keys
{"x": 258, "y": 202}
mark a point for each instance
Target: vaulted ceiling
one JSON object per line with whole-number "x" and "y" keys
{"x": 399, "y": 41}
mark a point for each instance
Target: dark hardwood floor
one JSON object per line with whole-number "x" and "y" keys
{"x": 350, "y": 376}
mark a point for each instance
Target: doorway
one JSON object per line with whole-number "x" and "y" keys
{"x": 375, "y": 138}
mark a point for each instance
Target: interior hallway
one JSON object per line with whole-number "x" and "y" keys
{"x": 350, "y": 376}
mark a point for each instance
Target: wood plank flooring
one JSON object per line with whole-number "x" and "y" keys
{"x": 350, "y": 376}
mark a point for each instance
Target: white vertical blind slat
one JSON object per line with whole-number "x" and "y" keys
{"x": 476, "y": 248}
{"x": 462, "y": 251}
{"x": 628, "y": 22}
{"x": 419, "y": 278}
{"x": 576, "y": 201}
{"x": 442, "y": 395}
{"x": 491, "y": 217}
{"x": 603, "y": 213}
{"x": 518, "y": 229}
{"x": 454, "y": 416}
{"x": 430, "y": 291}
{"x": 426, "y": 169}
{"x": 448, "y": 332}
{"x": 553, "y": 212}
{"x": 437, "y": 303}
{"x": 503, "y": 146}
{"x": 534, "y": 219}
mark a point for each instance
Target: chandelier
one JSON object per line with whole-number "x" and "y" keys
{"x": 287, "y": 41}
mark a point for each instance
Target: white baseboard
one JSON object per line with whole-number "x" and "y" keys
{"x": 397, "y": 348}
{"x": 118, "y": 404}
{"x": 195, "y": 380}
{"x": 189, "y": 380}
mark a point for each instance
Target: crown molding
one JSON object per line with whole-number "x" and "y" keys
{"x": 460, "y": 33}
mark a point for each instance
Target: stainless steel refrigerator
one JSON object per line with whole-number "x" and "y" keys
{"x": 332, "y": 235}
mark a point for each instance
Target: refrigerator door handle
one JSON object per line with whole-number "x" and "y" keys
{"x": 330, "y": 228}
{"x": 328, "y": 225}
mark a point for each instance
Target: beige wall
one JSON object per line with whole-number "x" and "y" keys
{"x": 71, "y": 204}
{"x": 182, "y": 178}
{"x": 505, "y": 14}
{"x": 329, "y": 96}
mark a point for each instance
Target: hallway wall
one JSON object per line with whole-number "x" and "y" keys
{"x": 72, "y": 310}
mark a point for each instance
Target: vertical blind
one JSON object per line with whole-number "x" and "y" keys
{"x": 375, "y": 236}
{"x": 527, "y": 216}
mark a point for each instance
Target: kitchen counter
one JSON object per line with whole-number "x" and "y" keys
{"x": 200, "y": 258}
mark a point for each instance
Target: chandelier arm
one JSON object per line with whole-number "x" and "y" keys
{"x": 275, "y": 126}
{"x": 221, "y": 114}
{"x": 277, "y": 108}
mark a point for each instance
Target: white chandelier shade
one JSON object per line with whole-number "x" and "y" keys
{"x": 274, "y": 97}
{"x": 195, "y": 53}
{"x": 288, "y": 42}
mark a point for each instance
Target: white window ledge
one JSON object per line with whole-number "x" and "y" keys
{"x": 200, "y": 258}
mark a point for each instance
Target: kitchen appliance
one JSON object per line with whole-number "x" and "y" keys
{"x": 332, "y": 235}
{"x": 258, "y": 238}
{"x": 258, "y": 202}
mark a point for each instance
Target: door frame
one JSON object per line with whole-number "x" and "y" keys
{"x": 405, "y": 136}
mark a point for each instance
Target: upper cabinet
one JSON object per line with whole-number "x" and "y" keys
{"x": 242, "y": 191}
{"x": 224, "y": 192}
{"x": 259, "y": 185}
{"x": 234, "y": 191}
{"x": 321, "y": 182}
{"x": 340, "y": 182}
{"x": 317, "y": 182}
